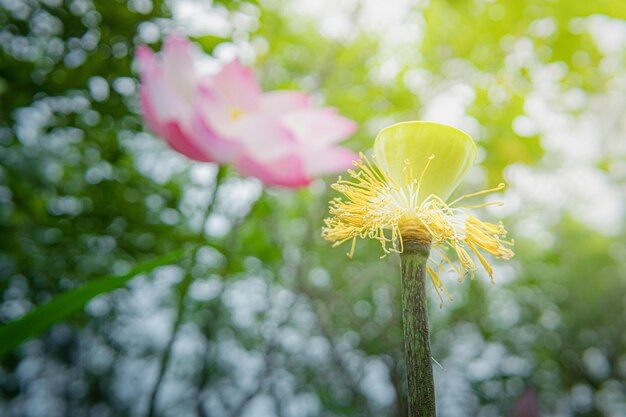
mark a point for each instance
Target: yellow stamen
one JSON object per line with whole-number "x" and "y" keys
{"x": 376, "y": 207}
{"x": 235, "y": 113}
{"x": 490, "y": 190}
{"x": 430, "y": 159}
{"x": 491, "y": 203}
{"x": 351, "y": 253}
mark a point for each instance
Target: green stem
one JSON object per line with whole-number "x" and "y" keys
{"x": 183, "y": 290}
{"x": 167, "y": 352}
{"x": 421, "y": 387}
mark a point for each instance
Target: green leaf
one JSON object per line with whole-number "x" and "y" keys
{"x": 62, "y": 306}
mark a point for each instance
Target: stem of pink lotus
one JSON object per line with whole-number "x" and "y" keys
{"x": 421, "y": 387}
{"x": 183, "y": 289}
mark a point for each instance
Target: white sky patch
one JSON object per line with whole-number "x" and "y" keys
{"x": 342, "y": 19}
{"x": 334, "y": 19}
{"x": 201, "y": 17}
{"x": 396, "y": 26}
{"x": 609, "y": 34}
{"x": 543, "y": 195}
{"x": 450, "y": 107}
{"x": 376, "y": 384}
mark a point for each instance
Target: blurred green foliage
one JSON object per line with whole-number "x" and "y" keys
{"x": 266, "y": 318}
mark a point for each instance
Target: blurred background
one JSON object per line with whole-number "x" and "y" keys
{"x": 267, "y": 319}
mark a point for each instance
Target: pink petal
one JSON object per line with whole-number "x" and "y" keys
{"x": 238, "y": 86}
{"x": 324, "y": 161}
{"x": 166, "y": 102}
{"x": 264, "y": 138}
{"x": 167, "y": 97}
{"x": 276, "y": 103}
{"x": 319, "y": 125}
{"x": 178, "y": 66}
{"x": 214, "y": 109}
{"x": 148, "y": 112}
{"x": 261, "y": 138}
{"x": 286, "y": 171}
{"x": 183, "y": 143}
{"x": 221, "y": 149}
{"x": 171, "y": 131}
{"x": 146, "y": 61}
{"x": 270, "y": 152}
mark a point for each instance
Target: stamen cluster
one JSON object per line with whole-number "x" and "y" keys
{"x": 376, "y": 207}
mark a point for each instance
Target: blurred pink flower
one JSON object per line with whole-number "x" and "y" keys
{"x": 278, "y": 136}
{"x": 527, "y": 404}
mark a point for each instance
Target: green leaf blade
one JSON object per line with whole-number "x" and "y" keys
{"x": 59, "y": 308}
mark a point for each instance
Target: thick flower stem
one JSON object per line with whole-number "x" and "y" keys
{"x": 421, "y": 388}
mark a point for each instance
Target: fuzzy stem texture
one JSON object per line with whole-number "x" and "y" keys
{"x": 421, "y": 388}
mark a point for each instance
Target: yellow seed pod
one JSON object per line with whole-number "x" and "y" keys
{"x": 409, "y": 145}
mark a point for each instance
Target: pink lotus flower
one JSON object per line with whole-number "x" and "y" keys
{"x": 278, "y": 136}
{"x": 527, "y": 404}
